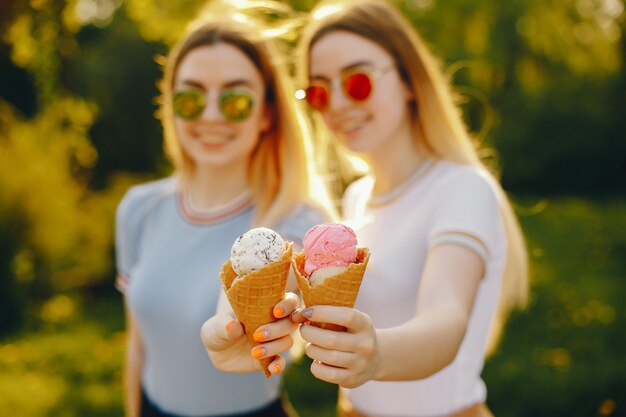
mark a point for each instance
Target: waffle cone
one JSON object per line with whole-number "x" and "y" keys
{"x": 254, "y": 295}
{"x": 338, "y": 290}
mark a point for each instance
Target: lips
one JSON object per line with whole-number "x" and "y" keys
{"x": 213, "y": 139}
{"x": 350, "y": 125}
{"x": 213, "y": 136}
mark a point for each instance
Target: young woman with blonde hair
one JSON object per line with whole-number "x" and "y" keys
{"x": 241, "y": 156}
{"x": 448, "y": 256}
{"x": 448, "y": 260}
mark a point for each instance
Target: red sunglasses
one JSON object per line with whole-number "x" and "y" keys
{"x": 356, "y": 85}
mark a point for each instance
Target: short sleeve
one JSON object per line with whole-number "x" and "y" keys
{"x": 467, "y": 212}
{"x": 131, "y": 215}
{"x": 295, "y": 225}
{"x": 126, "y": 233}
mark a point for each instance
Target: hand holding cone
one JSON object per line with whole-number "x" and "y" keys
{"x": 253, "y": 295}
{"x": 330, "y": 248}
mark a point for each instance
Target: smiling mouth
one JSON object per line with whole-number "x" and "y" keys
{"x": 214, "y": 139}
{"x": 351, "y": 126}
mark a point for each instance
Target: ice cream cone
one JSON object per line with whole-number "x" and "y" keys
{"x": 338, "y": 290}
{"x": 254, "y": 295}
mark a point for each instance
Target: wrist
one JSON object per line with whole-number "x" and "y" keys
{"x": 377, "y": 358}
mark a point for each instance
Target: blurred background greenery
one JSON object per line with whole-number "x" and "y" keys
{"x": 542, "y": 82}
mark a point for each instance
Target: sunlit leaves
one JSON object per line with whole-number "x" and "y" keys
{"x": 42, "y": 173}
{"x": 162, "y": 20}
{"x": 582, "y": 34}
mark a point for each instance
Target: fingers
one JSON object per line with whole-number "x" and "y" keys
{"x": 328, "y": 339}
{"x": 286, "y": 306}
{"x": 334, "y": 375}
{"x": 275, "y": 330}
{"x": 273, "y": 348}
{"x": 278, "y": 365}
{"x": 353, "y": 320}
{"x": 334, "y": 358}
{"x": 220, "y": 332}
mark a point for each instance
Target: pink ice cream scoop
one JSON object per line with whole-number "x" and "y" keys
{"x": 329, "y": 245}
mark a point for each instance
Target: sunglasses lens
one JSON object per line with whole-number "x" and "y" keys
{"x": 317, "y": 97}
{"x": 236, "y": 105}
{"x": 358, "y": 86}
{"x": 189, "y": 104}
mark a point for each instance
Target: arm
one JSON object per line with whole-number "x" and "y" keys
{"x": 413, "y": 350}
{"x": 134, "y": 365}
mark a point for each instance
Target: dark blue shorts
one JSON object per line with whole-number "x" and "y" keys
{"x": 274, "y": 409}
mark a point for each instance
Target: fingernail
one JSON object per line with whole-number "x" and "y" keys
{"x": 261, "y": 335}
{"x": 229, "y": 324}
{"x": 276, "y": 369}
{"x": 307, "y": 312}
{"x": 279, "y": 312}
{"x": 258, "y": 352}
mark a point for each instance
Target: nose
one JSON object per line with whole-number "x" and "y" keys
{"x": 338, "y": 99}
{"x": 212, "y": 110}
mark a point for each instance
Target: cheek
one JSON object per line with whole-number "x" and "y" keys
{"x": 251, "y": 129}
{"x": 391, "y": 105}
{"x": 182, "y": 128}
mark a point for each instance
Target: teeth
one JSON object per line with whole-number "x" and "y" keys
{"x": 213, "y": 140}
{"x": 350, "y": 126}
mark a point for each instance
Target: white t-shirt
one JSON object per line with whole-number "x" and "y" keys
{"x": 445, "y": 202}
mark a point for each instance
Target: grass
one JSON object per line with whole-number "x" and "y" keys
{"x": 70, "y": 366}
{"x": 563, "y": 356}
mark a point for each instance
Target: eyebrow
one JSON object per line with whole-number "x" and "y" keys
{"x": 229, "y": 84}
{"x": 346, "y": 68}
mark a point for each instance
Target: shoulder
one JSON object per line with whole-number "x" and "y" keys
{"x": 356, "y": 196}
{"x": 299, "y": 220}
{"x": 465, "y": 201}
{"x": 359, "y": 187}
{"x": 452, "y": 174}
{"x": 452, "y": 180}
{"x": 305, "y": 214}
{"x": 139, "y": 198}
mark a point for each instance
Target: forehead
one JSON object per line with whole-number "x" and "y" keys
{"x": 339, "y": 49}
{"x": 217, "y": 64}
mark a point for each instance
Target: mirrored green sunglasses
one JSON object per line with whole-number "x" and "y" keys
{"x": 235, "y": 104}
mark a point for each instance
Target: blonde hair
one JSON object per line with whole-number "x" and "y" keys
{"x": 279, "y": 172}
{"x": 444, "y": 134}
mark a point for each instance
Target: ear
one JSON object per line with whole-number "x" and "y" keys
{"x": 408, "y": 93}
{"x": 266, "y": 118}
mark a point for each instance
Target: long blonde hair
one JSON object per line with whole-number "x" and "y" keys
{"x": 279, "y": 172}
{"x": 436, "y": 121}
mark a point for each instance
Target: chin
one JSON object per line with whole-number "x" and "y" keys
{"x": 357, "y": 144}
{"x": 213, "y": 162}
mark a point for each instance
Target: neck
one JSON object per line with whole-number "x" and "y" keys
{"x": 397, "y": 162}
{"x": 211, "y": 187}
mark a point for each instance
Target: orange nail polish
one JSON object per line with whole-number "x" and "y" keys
{"x": 260, "y": 335}
{"x": 279, "y": 312}
{"x": 258, "y": 352}
{"x": 276, "y": 369}
{"x": 229, "y": 324}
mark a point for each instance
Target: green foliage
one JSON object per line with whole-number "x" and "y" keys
{"x": 564, "y": 356}
{"x": 308, "y": 395}
{"x": 71, "y": 366}
{"x": 57, "y": 234}
{"x": 118, "y": 70}
{"x": 162, "y": 21}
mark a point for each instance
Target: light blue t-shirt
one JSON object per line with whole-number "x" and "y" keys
{"x": 171, "y": 262}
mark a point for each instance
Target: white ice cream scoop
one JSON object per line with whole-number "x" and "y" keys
{"x": 255, "y": 249}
